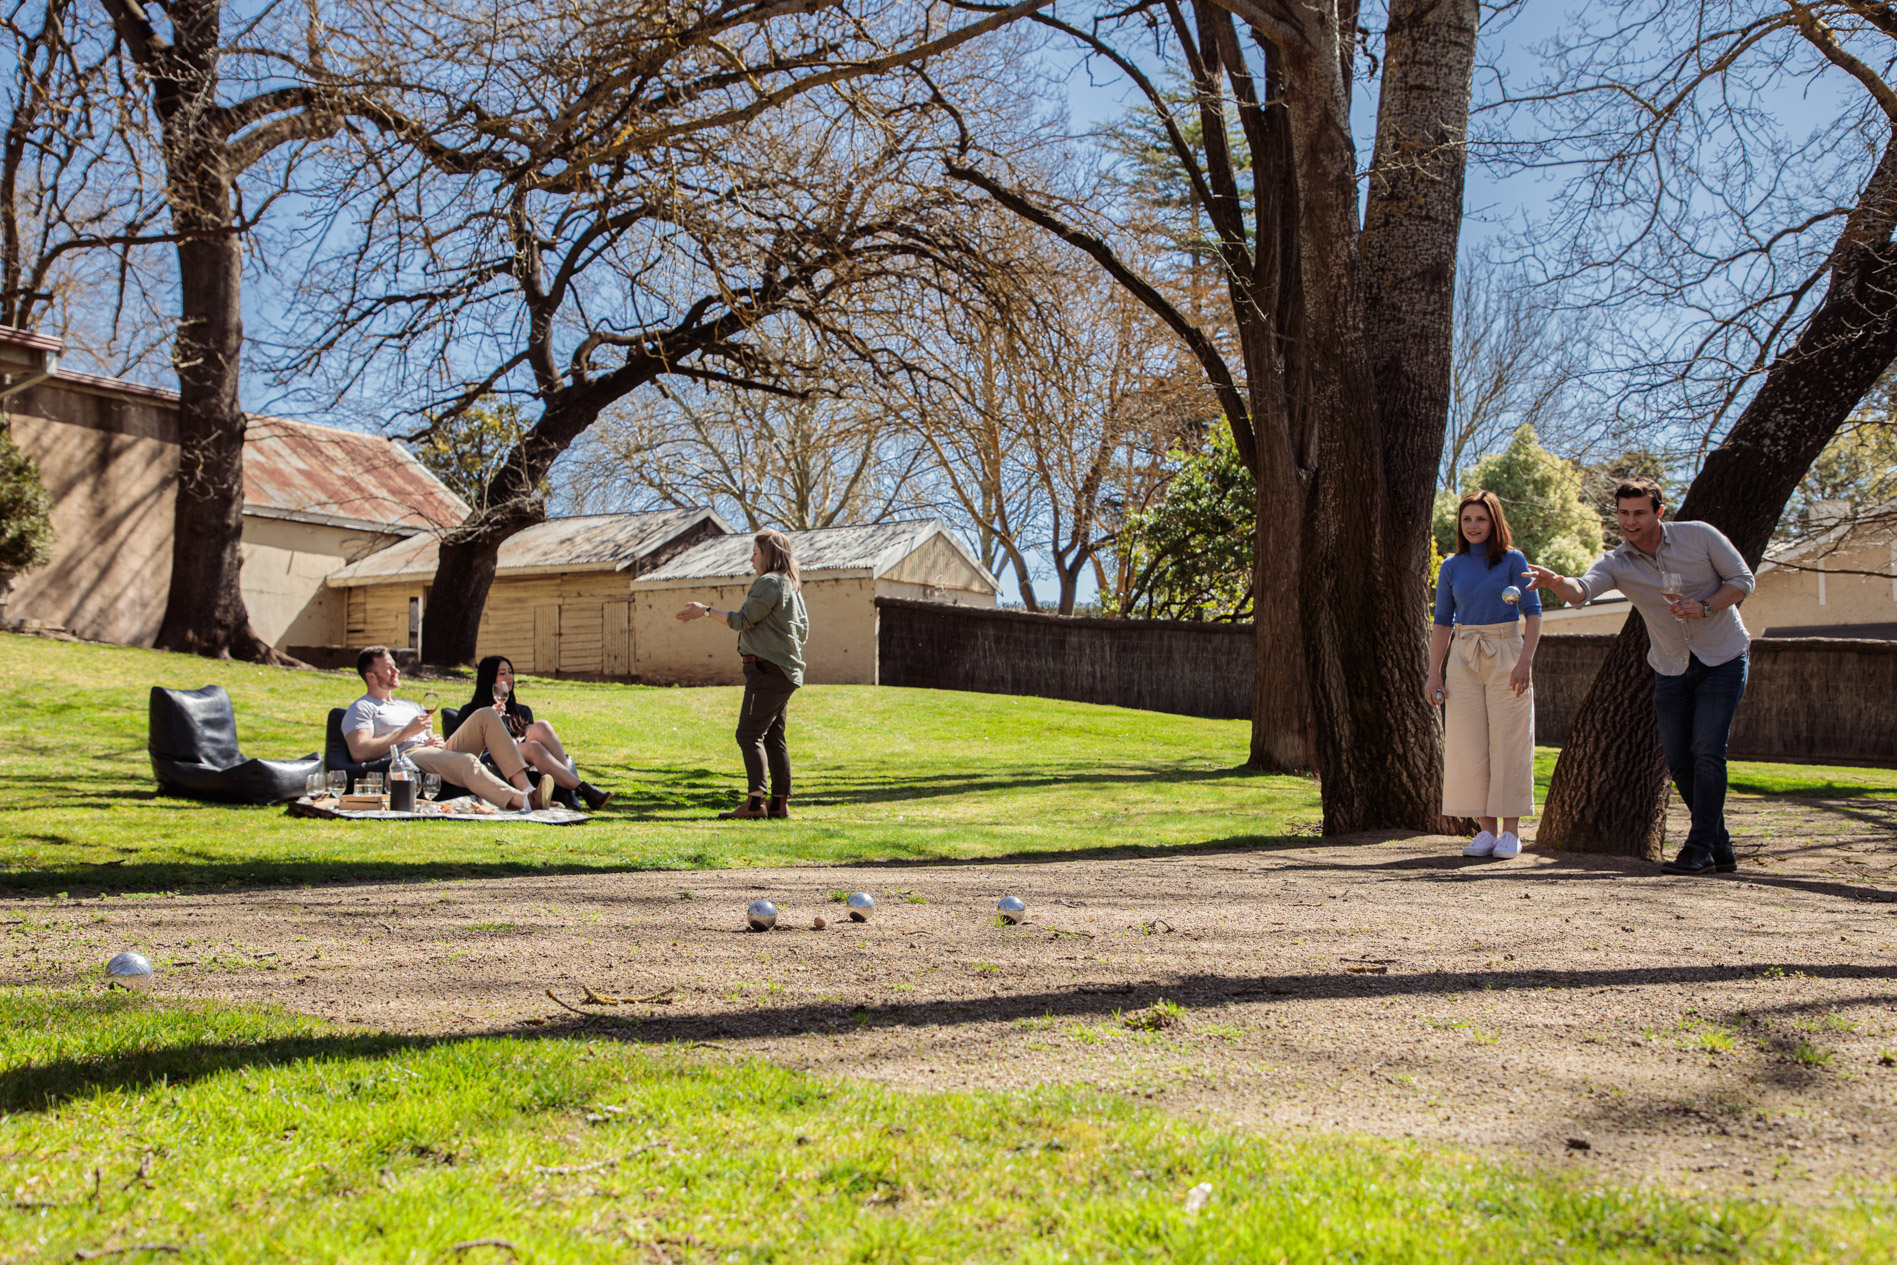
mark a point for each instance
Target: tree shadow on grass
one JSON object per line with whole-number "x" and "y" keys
{"x": 44, "y": 1086}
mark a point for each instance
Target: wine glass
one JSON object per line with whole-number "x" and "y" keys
{"x": 500, "y": 690}
{"x": 338, "y": 783}
{"x": 431, "y": 702}
{"x": 314, "y": 784}
{"x": 431, "y": 786}
{"x": 1671, "y": 582}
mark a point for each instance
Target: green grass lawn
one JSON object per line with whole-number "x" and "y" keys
{"x": 238, "y": 1135}
{"x": 882, "y": 775}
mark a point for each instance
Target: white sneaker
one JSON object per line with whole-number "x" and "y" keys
{"x": 1507, "y": 846}
{"x": 1480, "y": 846}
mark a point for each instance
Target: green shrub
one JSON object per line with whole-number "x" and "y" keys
{"x": 26, "y": 513}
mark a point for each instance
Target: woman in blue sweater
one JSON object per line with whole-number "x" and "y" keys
{"x": 1487, "y": 688}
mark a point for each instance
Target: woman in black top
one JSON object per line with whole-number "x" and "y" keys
{"x": 538, "y": 742}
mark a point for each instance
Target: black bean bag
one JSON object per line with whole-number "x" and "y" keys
{"x": 336, "y": 750}
{"x": 193, "y": 746}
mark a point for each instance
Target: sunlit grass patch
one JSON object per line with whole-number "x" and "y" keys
{"x": 242, "y": 1135}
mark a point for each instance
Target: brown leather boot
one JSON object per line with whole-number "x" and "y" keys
{"x": 752, "y": 809}
{"x": 780, "y": 806}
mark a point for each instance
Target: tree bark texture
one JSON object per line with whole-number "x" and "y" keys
{"x": 1605, "y": 796}
{"x": 1374, "y": 303}
{"x": 469, "y": 555}
{"x": 204, "y": 609}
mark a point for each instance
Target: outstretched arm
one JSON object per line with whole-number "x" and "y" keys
{"x": 1556, "y": 583}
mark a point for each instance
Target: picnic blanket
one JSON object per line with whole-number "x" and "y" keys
{"x": 466, "y": 808}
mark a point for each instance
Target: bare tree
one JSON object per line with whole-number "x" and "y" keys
{"x": 560, "y": 206}
{"x": 1519, "y": 359}
{"x": 1042, "y": 411}
{"x": 1344, "y": 334}
{"x": 77, "y": 200}
{"x": 808, "y": 448}
{"x": 1695, "y": 197}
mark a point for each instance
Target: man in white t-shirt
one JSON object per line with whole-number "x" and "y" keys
{"x": 378, "y": 722}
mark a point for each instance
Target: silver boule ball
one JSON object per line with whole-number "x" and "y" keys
{"x": 128, "y": 970}
{"x": 862, "y": 905}
{"x": 1013, "y": 908}
{"x": 1511, "y": 595}
{"x": 762, "y": 915}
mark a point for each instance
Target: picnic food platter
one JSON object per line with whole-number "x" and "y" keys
{"x": 463, "y": 808}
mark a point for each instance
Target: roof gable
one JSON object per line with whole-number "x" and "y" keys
{"x": 311, "y": 473}
{"x": 591, "y": 542}
{"x": 873, "y": 548}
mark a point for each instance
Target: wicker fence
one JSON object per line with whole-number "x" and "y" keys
{"x": 1155, "y": 665}
{"x": 1810, "y": 699}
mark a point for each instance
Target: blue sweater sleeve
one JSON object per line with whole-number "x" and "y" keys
{"x": 1445, "y": 599}
{"x": 1517, "y": 563}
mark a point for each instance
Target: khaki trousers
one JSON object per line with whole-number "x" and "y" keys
{"x": 1489, "y": 734}
{"x": 459, "y": 760}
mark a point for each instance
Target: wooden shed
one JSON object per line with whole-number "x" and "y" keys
{"x": 560, "y": 604}
{"x": 844, "y": 571}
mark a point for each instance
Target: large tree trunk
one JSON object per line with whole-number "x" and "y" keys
{"x": 1609, "y": 800}
{"x": 204, "y": 609}
{"x": 1611, "y": 780}
{"x": 205, "y": 612}
{"x": 464, "y": 571}
{"x": 1362, "y": 580}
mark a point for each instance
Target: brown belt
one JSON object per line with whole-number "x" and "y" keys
{"x": 758, "y": 659}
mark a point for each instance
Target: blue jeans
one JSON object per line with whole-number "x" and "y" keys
{"x": 1695, "y": 711}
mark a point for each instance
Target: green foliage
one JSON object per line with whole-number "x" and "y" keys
{"x": 466, "y": 452}
{"x": 1191, "y": 553}
{"x": 232, "y": 1134}
{"x": 26, "y": 513}
{"x": 1541, "y": 494}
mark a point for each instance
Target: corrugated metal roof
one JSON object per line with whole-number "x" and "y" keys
{"x": 319, "y": 473}
{"x": 874, "y": 548}
{"x": 594, "y": 542}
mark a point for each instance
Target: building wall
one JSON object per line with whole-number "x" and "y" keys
{"x": 1805, "y": 599}
{"x": 841, "y": 649}
{"x": 109, "y": 463}
{"x": 551, "y": 625}
{"x": 285, "y": 563}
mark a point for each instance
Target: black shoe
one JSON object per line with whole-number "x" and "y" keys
{"x": 595, "y": 798}
{"x": 1694, "y": 863}
{"x": 779, "y": 807}
{"x": 1726, "y": 864}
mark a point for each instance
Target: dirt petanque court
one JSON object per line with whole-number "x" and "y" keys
{"x": 1733, "y": 1034}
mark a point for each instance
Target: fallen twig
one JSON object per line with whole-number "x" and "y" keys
{"x": 593, "y": 1015}
{"x": 471, "y": 1244}
{"x": 594, "y": 999}
{"x": 93, "y": 1254}
{"x": 598, "y": 1164}
{"x": 144, "y": 1171}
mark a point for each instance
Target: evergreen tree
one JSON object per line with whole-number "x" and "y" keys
{"x": 1190, "y": 555}
{"x": 26, "y": 523}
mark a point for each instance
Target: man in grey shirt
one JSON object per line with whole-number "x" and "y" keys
{"x": 1686, "y": 580}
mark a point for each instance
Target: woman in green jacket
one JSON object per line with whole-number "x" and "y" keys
{"x": 772, "y": 626}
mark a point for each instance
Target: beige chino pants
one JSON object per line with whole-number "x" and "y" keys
{"x": 459, "y": 761}
{"x": 1489, "y": 733}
